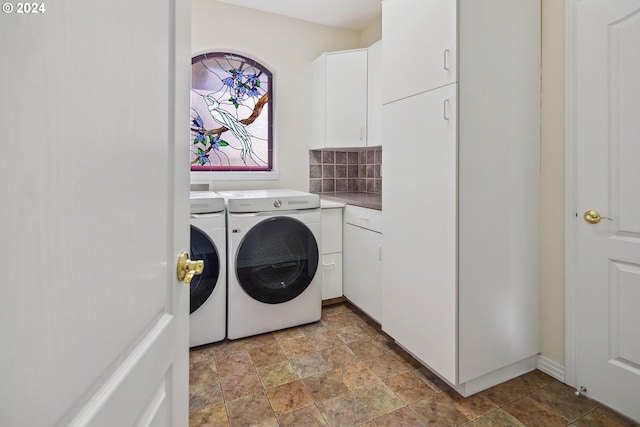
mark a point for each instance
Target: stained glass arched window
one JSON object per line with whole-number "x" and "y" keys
{"x": 231, "y": 114}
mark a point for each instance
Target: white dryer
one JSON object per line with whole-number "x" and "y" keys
{"x": 273, "y": 253}
{"x": 208, "y": 304}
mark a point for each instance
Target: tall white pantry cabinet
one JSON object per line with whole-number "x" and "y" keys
{"x": 461, "y": 95}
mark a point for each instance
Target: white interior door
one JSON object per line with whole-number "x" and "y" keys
{"x": 607, "y": 140}
{"x": 94, "y": 110}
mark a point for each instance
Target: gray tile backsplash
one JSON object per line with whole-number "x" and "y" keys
{"x": 353, "y": 170}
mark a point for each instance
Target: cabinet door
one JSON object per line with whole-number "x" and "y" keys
{"x": 374, "y": 95}
{"x": 332, "y": 275}
{"x": 363, "y": 267}
{"x": 331, "y": 253}
{"x": 420, "y": 228}
{"x": 346, "y": 99}
{"x": 419, "y": 46}
{"x": 331, "y": 230}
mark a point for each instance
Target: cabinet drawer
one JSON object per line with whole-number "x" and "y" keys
{"x": 371, "y": 219}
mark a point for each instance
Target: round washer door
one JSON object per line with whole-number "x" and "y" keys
{"x": 277, "y": 260}
{"x": 203, "y": 285}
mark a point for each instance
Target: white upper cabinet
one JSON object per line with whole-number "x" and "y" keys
{"x": 420, "y": 39}
{"x": 339, "y": 91}
{"x": 374, "y": 95}
{"x": 347, "y": 98}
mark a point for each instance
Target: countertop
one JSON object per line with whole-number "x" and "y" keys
{"x": 365, "y": 200}
{"x": 328, "y": 204}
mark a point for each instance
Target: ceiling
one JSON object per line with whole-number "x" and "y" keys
{"x": 349, "y": 14}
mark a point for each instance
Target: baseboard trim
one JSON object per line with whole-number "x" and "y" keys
{"x": 551, "y": 368}
{"x": 332, "y": 301}
{"x": 496, "y": 377}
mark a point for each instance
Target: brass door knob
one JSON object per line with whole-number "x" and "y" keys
{"x": 593, "y": 217}
{"x": 187, "y": 269}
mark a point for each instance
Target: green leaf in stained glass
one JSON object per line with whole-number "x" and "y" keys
{"x": 223, "y": 143}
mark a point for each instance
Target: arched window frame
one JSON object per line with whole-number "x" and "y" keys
{"x": 231, "y": 114}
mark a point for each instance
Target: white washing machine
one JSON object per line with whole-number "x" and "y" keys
{"x": 273, "y": 254}
{"x": 208, "y": 305}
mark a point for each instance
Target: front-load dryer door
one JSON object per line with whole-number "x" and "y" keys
{"x": 202, "y": 248}
{"x": 276, "y": 260}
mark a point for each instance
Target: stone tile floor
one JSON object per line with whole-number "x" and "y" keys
{"x": 344, "y": 371}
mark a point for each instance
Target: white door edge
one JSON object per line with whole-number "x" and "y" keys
{"x": 570, "y": 193}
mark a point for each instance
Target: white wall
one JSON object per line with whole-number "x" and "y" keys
{"x": 371, "y": 33}
{"x": 287, "y": 47}
{"x": 552, "y": 182}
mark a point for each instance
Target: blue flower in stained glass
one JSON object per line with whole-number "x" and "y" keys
{"x": 199, "y": 137}
{"x": 202, "y": 157}
{"x": 197, "y": 122}
{"x": 237, "y": 74}
{"x": 241, "y": 88}
{"x": 253, "y": 91}
{"x": 215, "y": 142}
{"x": 253, "y": 80}
{"x": 235, "y": 100}
{"x": 228, "y": 81}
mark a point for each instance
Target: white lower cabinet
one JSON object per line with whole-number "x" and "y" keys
{"x": 363, "y": 259}
{"x": 331, "y": 263}
{"x": 331, "y": 276}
